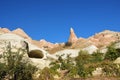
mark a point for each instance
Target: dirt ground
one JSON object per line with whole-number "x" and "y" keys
{"x": 98, "y": 78}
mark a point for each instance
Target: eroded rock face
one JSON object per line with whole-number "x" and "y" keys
{"x": 100, "y": 40}
{"x": 90, "y": 49}
{"x": 11, "y": 39}
{"x": 21, "y": 33}
{"x": 46, "y": 44}
{"x": 4, "y": 30}
{"x": 104, "y": 38}
{"x": 12, "y": 42}
{"x": 73, "y": 38}
{"x": 17, "y": 42}
{"x": 72, "y": 52}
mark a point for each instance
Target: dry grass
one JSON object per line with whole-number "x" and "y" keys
{"x": 98, "y": 78}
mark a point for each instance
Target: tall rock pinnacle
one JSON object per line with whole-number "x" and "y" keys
{"x": 73, "y": 37}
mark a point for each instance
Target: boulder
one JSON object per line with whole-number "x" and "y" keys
{"x": 97, "y": 72}
{"x": 90, "y": 49}
{"x": 117, "y": 61}
{"x": 72, "y": 52}
{"x": 117, "y": 45}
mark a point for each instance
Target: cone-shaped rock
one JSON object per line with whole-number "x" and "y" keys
{"x": 73, "y": 37}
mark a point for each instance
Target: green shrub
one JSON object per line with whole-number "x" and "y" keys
{"x": 85, "y": 63}
{"x": 112, "y": 53}
{"x": 73, "y": 72}
{"x": 110, "y": 69}
{"x": 54, "y": 66}
{"x": 14, "y": 67}
{"x": 97, "y": 57}
{"x": 83, "y": 58}
{"x": 35, "y": 54}
{"x": 64, "y": 64}
{"x": 46, "y": 74}
{"x": 2, "y": 70}
{"x": 85, "y": 70}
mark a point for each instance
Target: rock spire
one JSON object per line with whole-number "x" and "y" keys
{"x": 72, "y": 37}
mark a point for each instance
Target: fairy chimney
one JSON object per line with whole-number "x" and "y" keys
{"x": 73, "y": 38}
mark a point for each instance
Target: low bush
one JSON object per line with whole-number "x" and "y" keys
{"x": 110, "y": 69}
{"x": 14, "y": 67}
{"x": 64, "y": 65}
{"x": 97, "y": 57}
{"x": 112, "y": 53}
{"x": 46, "y": 74}
{"x": 83, "y": 58}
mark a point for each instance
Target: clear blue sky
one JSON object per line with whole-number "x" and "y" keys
{"x": 52, "y": 19}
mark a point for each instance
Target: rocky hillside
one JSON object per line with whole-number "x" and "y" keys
{"x": 99, "y": 40}
{"x": 78, "y": 54}
{"x": 18, "y": 39}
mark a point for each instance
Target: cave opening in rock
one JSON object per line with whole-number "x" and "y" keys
{"x": 36, "y": 54}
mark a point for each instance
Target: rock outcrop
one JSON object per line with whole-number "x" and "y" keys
{"x": 104, "y": 38}
{"x": 11, "y": 39}
{"x": 66, "y": 52}
{"x": 90, "y": 49}
{"x": 21, "y": 33}
{"x": 4, "y": 30}
{"x": 45, "y": 44}
{"x": 17, "y": 42}
{"x": 100, "y": 40}
{"x": 117, "y": 61}
{"x": 72, "y": 38}
{"x": 19, "y": 39}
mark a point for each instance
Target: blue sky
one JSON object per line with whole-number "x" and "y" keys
{"x": 52, "y": 19}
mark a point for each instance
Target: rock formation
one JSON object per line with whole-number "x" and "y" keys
{"x": 90, "y": 49}
{"x": 66, "y": 52}
{"x": 4, "y": 30}
{"x": 117, "y": 61}
{"x": 99, "y": 40}
{"x": 91, "y": 44}
{"x": 72, "y": 38}
{"x": 104, "y": 38}
{"x": 21, "y": 33}
{"x": 46, "y": 44}
{"x": 17, "y": 42}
